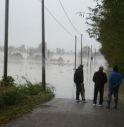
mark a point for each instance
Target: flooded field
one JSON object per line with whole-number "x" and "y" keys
{"x": 60, "y": 76}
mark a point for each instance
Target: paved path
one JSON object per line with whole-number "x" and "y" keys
{"x": 68, "y": 113}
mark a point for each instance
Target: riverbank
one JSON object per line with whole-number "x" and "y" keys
{"x": 16, "y": 101}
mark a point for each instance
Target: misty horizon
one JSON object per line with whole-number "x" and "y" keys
{"x": 25, "y": 23}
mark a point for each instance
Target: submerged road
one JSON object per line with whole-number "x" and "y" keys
{"x": 68, "y": 113}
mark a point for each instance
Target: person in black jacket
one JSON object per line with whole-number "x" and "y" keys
{"x": 79, "y": 81}
{"x": 99, "y": 79}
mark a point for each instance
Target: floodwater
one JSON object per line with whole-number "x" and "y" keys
{"x": 60, "y": 76}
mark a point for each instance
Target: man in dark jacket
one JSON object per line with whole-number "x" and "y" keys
{"x": 115, "y": 80}
{"x": 79, "y": 81}
{"x": 99, "y": 79}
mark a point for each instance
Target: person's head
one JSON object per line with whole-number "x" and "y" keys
{"x": 80, "y": 66}
{"x": 101, "y": 68}
{"x": 115, "y": 68}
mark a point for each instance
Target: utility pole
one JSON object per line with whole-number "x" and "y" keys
{"x": 88, "y": 56}
{"x": 75, "y": 50}
{"x": 94, "y": 58}
{"x": 6, "y": 38}
{"x": 81, "y": 49}
{"x": 43, "y": 48}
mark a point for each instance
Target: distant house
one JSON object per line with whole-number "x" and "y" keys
{"x": 58, "y": 60}
{"x": 16, "y": 56}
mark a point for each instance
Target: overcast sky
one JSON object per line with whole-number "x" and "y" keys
{"x": 25, "y": 23}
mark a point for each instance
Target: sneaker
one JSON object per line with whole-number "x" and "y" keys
{"x": 94, "y": 104}
{"x": 77, "y": 100}
{"x": 84, "y": 100}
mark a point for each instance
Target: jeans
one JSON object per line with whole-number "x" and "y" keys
{"x": 113, "y": 91}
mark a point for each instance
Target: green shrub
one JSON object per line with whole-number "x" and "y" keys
{"x": 30, "y": 89}
{"x": 1, "y": 101}
{"x": 50, "y": 90}
{"x": 17, "y": 100}
{"x": 10, "y": 96}
{"x": 35, "y": 89}
{"x": 7, "y": 82}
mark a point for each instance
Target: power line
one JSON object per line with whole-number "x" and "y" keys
{"x": 68, "y": 17}
{"x": 59, "y": 22}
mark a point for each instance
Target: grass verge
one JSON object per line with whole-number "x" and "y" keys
{"x": 16, "y": 101}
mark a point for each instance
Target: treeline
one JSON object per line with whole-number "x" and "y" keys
{"x": 106, "y": 22}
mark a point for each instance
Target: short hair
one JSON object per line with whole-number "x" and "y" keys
{"x": 81, "y": 66}
{"x": 101, "y": 68}
{"x": 115, "y": 68}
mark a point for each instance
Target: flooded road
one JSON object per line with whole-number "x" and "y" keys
{"x": 60, "y": 76}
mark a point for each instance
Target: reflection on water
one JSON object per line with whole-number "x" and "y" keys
{"x": 58, "y": 75}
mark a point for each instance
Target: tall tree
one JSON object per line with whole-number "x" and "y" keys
{"x": 107, "y": 26}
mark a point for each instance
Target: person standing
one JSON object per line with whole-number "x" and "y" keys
{"x": 115, "y": 79}
{"x": 99, "y": 78}
{"x": 79, "y": 81}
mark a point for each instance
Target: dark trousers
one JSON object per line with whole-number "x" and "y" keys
{"x": 113, "y": 91}
{"x": 80, "y": 90}
{"x": 99, "y": 90}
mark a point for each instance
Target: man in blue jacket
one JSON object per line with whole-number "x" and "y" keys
{"x": 115, "y": 80}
